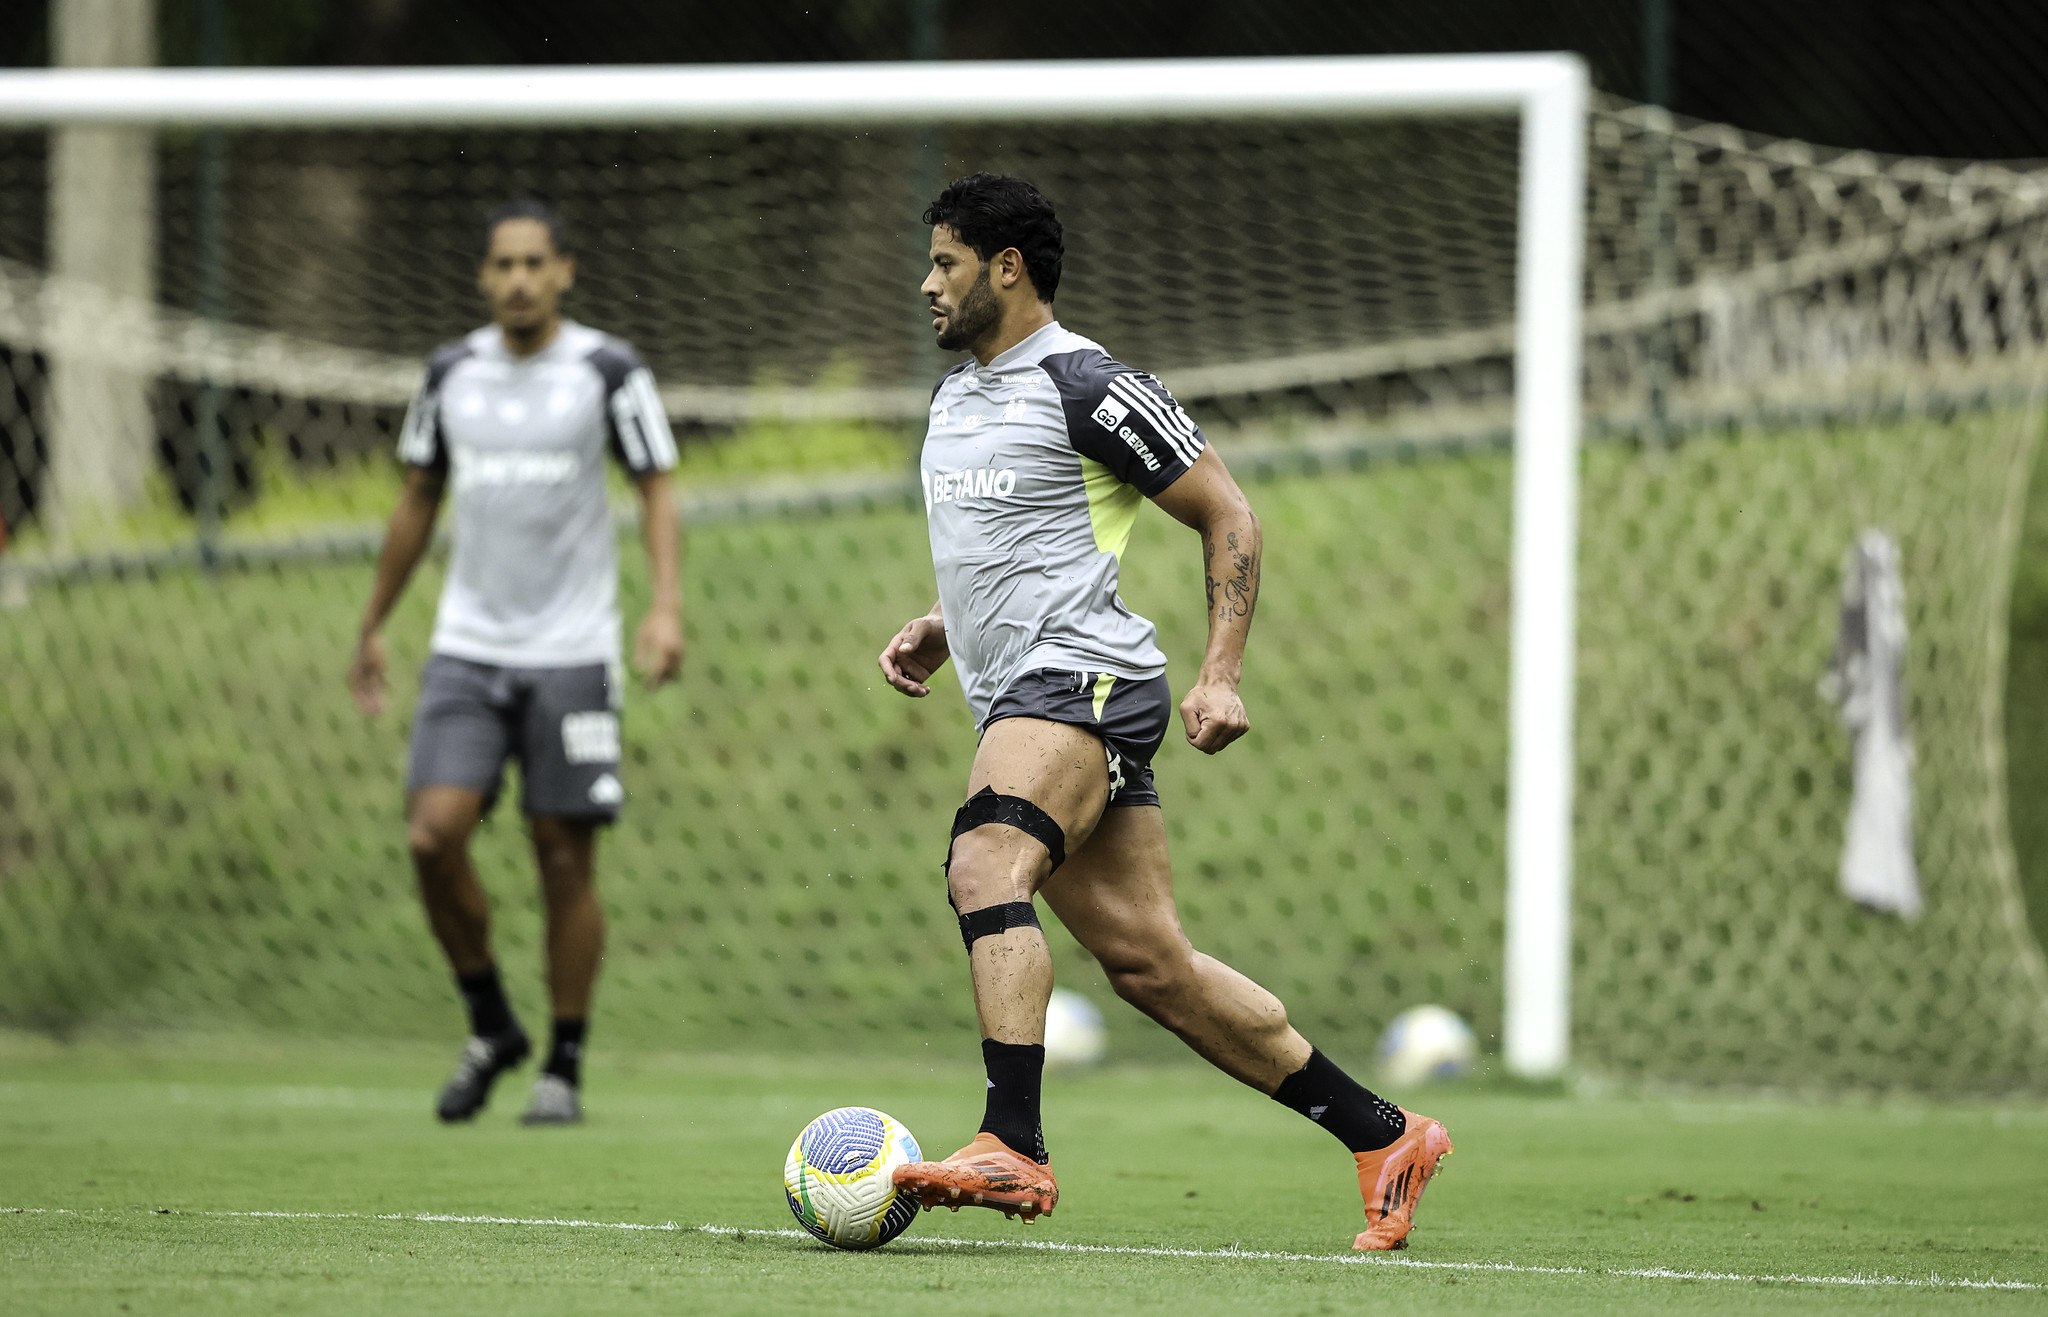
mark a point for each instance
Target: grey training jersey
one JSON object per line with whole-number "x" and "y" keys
{"x": 1034, "y": 469}
{"x": 533, "y": 580}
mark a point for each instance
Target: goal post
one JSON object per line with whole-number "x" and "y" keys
{"x": 1548, "y": 92}
{"x": 1536, "y": 1024}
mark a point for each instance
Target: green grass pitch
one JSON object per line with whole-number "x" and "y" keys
{"x": 196, "y": 832}
{"x": 136, "y": 1177}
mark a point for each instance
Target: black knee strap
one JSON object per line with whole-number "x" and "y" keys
{"x": 993, "y": 920}
{"x": 985, "y": 807}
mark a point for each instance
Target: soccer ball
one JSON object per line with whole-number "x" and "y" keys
{"x": 1074, "y": 1035}
{"x": 840, "y": 1178}
{"x": 1428, "y": 1042}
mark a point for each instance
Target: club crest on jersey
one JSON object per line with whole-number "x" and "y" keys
{"x": 960, "y": 486}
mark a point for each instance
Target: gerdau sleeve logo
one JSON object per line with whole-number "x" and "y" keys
{"x": 1110, "y": 415}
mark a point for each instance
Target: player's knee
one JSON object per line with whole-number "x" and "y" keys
{"x": 978, "y": 876}
{"x": 986, "y": 864}
{"x": 568, "y": 888}
{"x": 434, "y": 843}
{"x": 564, "y": 852}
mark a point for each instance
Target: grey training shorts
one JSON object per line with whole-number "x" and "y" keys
{"x": 1131, "y": 717}
{"x": 562, "y": 724}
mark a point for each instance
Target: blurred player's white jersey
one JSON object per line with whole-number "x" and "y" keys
{"x": 533, "y": 579}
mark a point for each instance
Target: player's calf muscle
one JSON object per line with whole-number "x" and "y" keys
{"x": 1117, "y": 900}
{"x": 1227, "y": 1019}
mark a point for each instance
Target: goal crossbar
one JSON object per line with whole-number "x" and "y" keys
{"x": 784, "y": 93}
{"x": 1548, "y": 92}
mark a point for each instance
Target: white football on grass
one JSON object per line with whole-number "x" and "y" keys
{"x": 1428, "y": 1042}
{"x": 1074, "y": 1035}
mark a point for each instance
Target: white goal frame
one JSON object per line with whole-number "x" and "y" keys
{"x": 1547, "y": 91}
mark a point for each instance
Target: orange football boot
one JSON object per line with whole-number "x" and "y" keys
{"x": 1392, "y": 1179}
{"x": 985, "y": 1173}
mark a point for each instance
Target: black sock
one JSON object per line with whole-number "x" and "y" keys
{"x": 489, "y": 1013}
{"x": 1362, "y": 1121}
{"x": 565, "y": 1053}
{"x": 1016, "y": 1072}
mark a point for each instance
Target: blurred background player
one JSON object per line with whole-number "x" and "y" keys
{"x": 518, "y": 417}
{"x": 1038, "y": 454}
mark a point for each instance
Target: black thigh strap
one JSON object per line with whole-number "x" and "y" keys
{"x": 985, "y": 807}
{"x": 996, "y": 919}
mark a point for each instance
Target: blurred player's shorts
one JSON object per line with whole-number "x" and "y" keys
{"x": 560, "y": 723}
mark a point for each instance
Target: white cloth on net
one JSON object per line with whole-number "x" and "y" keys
{"x": 1867, "y": 681}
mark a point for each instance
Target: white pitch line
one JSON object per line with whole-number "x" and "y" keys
{"x": 1936, "y": 1282}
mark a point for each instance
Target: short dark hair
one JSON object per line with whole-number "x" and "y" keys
{"x": 526, "y": 208}
{"x": 993, "y": 211}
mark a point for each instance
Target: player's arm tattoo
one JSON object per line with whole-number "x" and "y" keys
{"x": 1237, "y": 592}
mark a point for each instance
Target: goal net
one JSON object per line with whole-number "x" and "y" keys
{"x": 1784, "y": 347}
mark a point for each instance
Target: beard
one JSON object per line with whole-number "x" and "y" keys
{"x": 977, "y": 314}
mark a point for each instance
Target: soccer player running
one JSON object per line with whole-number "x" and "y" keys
{"x": 517, "y": 418}
{"x": 1038, "y": 454}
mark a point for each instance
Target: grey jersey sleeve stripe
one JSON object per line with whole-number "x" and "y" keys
{"x": 1175, "y": 413}
{"x": 1180, "y": 435}
{"x": 639, "y": 425}
{"x": 1127, "y": 389}
{"x": 417, "y": 438}
{"x": 1173, "y": 423}
{"x": 645, "y": 440}
{"x": 661, "y": 441}
{"x": 632, "y": 434}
